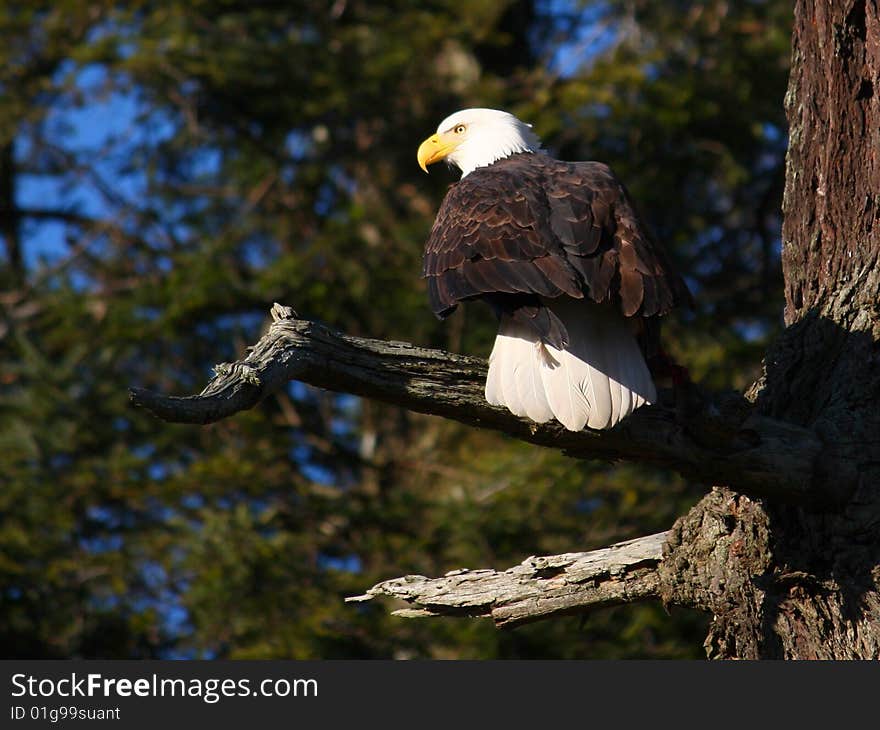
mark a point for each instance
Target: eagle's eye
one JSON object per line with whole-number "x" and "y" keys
{"x": 459, "y": 129}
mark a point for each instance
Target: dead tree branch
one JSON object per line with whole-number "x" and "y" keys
{"x": 717, "y": 441}
{"x": 538, "y": 588}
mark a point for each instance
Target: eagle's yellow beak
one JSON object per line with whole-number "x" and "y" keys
{"x": 435, "y": 148}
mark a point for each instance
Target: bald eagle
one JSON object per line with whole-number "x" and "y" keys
{"x": 558, "y": 251}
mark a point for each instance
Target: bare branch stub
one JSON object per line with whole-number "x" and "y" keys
{"x": 538, "y": 588}
{"x": 718, "y": 440}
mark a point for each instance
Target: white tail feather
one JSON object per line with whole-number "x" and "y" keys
{"x": 514, "y": 379}
{"x": 596, "y": 381}
{"x": 531, "y": 387}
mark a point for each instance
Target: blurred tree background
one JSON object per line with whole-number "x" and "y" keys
{"x": 169, "y": 169}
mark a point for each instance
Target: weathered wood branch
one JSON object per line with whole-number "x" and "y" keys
{"x": 717, "y": 441}
{"x": 538, "y": 588}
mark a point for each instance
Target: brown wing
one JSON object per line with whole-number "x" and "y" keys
{"x": 530, "y": 226}
{"x": 606, "y": 242}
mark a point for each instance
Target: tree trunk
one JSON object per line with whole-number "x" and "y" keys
{"x": 9, "y": 222}
{"x": 781, "y": 581}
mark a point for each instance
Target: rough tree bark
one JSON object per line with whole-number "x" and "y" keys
{"x": 805, "y": 584}
{"x": 789, "y": 563}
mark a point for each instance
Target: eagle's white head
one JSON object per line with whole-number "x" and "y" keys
{"x": 475, "y": 138}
